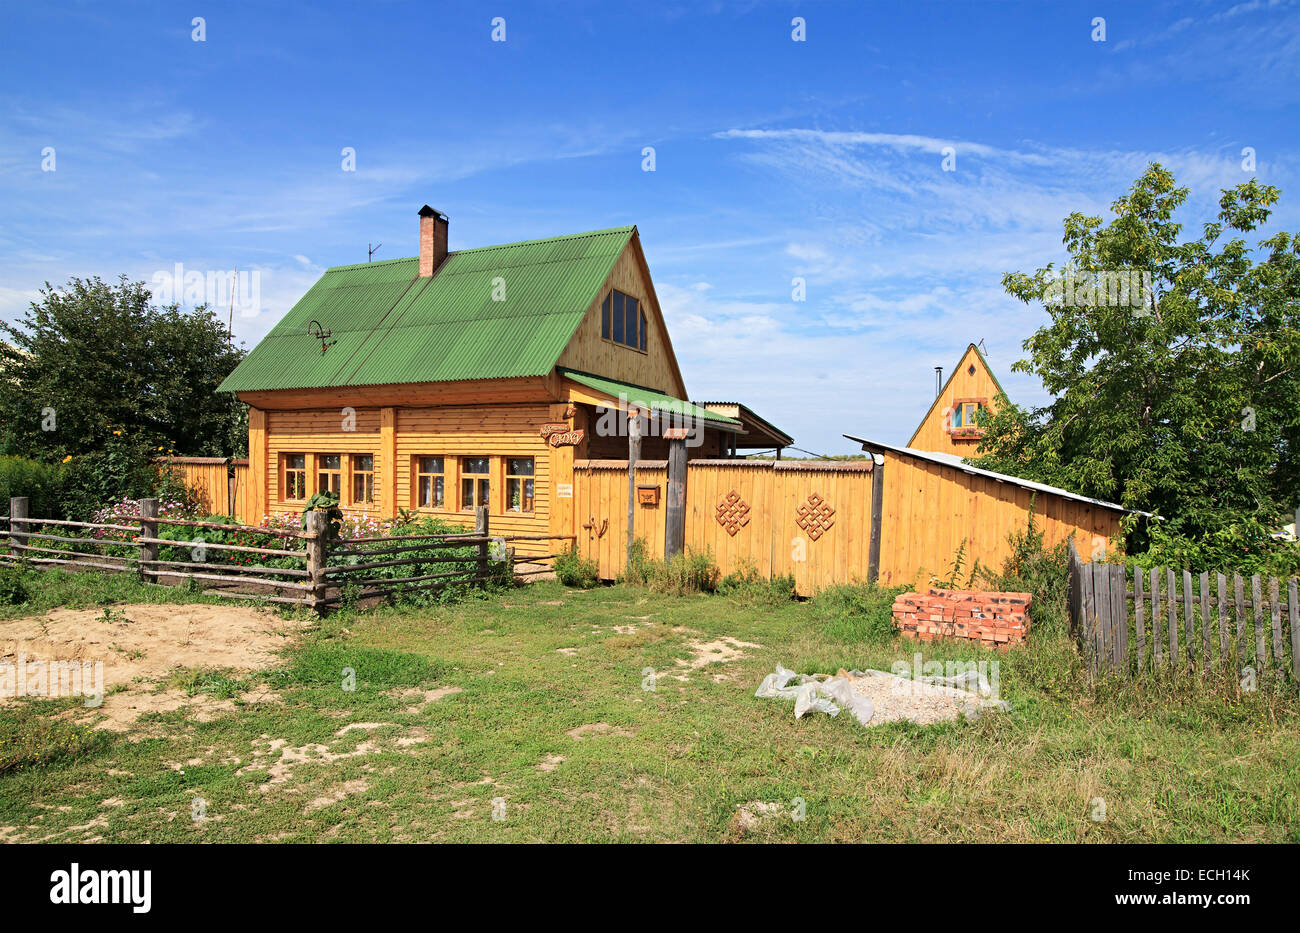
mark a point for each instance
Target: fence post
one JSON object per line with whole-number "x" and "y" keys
{"x": 317, "y": 523}
{"x": 481, "y": 529}
{"x": 633, "y": 454}
{"x": 675, "y": 511}
{"x": 877, "y": 505}
{"x": 148, "y": 529}
{"x": 17, "y": 512}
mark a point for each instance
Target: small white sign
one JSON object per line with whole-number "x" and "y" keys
{"x": 564, "y": 490}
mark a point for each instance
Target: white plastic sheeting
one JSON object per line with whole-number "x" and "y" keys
{"x": 923, "y": 700}
{"x": 828, "y": 696}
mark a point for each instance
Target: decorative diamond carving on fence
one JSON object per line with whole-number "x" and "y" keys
{"x": 732, "y": 512}
{"x": 814, "y": 516}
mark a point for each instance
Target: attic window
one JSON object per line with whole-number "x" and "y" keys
{"x": 966, "y": 414}
{"x": 622, "y": 320}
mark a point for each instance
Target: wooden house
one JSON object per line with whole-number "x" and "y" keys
{"x": 951, "y": 425}
{"x": 457, "y": 379}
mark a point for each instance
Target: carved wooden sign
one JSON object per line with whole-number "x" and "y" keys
{"x": 557, "y": 434}
{"x": 566, "y": 438}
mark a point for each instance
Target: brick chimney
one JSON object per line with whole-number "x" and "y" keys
{"x": 433, "y": 240}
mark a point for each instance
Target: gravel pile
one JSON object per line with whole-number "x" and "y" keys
{"x": 897, "y": 697}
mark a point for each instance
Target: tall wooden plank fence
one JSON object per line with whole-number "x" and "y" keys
{"x": 1131, "y": 620}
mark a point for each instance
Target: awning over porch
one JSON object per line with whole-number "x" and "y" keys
{"x": 608, "y": 393}
{"x": 758, "y": 433}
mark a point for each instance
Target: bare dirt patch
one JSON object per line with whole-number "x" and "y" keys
{"x": 722, "y": 650}
{"x": 338, "y": 793}
{"x": 750, "y": 816}
{"x": 278, "y": 758}
{"x": 596, "y": 728}
{"x": 140, "y": 645}
{"x": 424, "y": 697}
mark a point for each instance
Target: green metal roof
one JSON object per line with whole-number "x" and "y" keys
{"x": 394, "y": 327}
{"x": 641, "y": 396}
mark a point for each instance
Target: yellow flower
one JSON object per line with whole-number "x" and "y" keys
{"x": 117, "y": 433}
{"x": 68, "y": 458}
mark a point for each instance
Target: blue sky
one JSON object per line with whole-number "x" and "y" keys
{"x": 774, "y": 159}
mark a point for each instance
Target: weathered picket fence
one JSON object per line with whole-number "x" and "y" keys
{"x": 311, "y": 571}
{"x": 1132, "y": 620}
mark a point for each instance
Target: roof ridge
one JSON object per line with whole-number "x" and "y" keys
{"x": 295, "y": 332}
{"x": 491, "y": 246}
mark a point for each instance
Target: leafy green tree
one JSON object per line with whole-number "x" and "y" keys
{"x": 1177, "y": 391}
{"x": 92, "y": 358}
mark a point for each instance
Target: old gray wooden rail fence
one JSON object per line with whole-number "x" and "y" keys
{"x": 1132, "y": 620}
{"x": 310, "y": 570}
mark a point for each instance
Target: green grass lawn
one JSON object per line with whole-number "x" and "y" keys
{"x": 552, "y": 737}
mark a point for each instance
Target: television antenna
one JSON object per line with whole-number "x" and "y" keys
{"x": 371, "y": 250}
{"x": 322, "y": 335}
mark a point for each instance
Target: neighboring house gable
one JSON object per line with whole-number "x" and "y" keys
{"x": 949, "y": 427}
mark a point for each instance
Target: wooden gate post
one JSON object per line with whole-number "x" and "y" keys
{"x": 675, "y": 511}
{"x": 481, "y": 529}
{"x": 633, "y": 455}
{"x": 148, "y": 529}
{"x": 17, "y": 514}
{"x": 877, "y": 504}
{"x": 317, "y": 525}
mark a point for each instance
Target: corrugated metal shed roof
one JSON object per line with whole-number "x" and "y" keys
{"x": 394, "y": 327}
{"x": 640, "y": 396}
{"x": 951, "y": 460}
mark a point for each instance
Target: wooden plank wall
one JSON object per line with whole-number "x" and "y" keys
{"x": 396, "y": 436}
{"x": 771, "y": 540}
{"x": 206, "y": 478}
{"x": 243, "y": 494}
{"x": 600, "y": 511}
{"x": 496, "y": 432}
{"x": 930, "y": 508}
{"x": 928, "y": 511}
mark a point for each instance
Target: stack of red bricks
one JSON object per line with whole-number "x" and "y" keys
{"x": 995, "y": 620}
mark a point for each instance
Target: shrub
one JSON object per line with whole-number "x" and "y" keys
{"x": 572, "y": 569}
{"x": 1050, "y": 660}
{"x": 123, "y": 470}
{"x": 857, "y": 612}
{"x": 689, "y": 572}
{"x": 748, "y": 586}
{"x": 13, "y": 585}
{"x": 41, "y": 483}
{"x": 1246, "y": 547}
